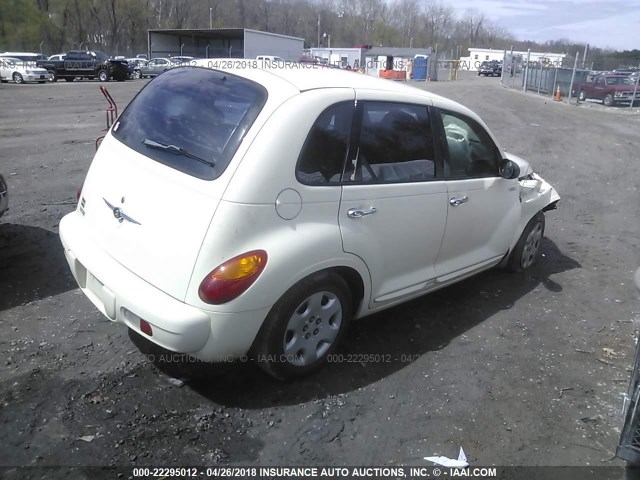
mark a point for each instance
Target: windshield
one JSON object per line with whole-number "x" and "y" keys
{"x": 191, "y": 119}
{"x": 618, "y": 81}
{"x": 15, "y": 62}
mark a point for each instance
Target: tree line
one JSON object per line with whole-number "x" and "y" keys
{"x": 119, "y": 27}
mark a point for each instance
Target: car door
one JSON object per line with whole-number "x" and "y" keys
{"x": 151, "y": 68}
{"x": 599, "y": 89}
{"x": 393, "y": 206}
{"x": 483, "y": 209}
{"x": 5, "y": 68}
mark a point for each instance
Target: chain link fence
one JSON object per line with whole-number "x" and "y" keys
{"x": 570, "y": 81}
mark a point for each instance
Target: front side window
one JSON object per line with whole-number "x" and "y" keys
{"x": 191, "y": 119}
{"x": 324, "y": 152}
{"x": 471, "y": 151}
{"x": 395, "y": 144}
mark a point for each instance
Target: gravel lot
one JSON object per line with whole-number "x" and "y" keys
{"x": 517, "y": 369}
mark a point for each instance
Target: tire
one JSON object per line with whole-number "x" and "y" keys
{"x": 304, "y": 327}
{"x": 137, "y": 75}
{"x": 608, "y": 100}
{"x": 69, "y": 79}
{"x": 17, "y": 78}
{"x": 526, "y": 250}
{"x": 581, "y": 96}
{"x": 103, "y": 76}
{"x": 52, "y": 76}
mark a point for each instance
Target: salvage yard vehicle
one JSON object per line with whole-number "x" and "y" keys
{"x": 4, "y": 195}
{"x": 611, "y": 88}
{"x": 629, "y": 444}
{"x": 155, "y": 67}
{"x": 135, "y": 66}
{"x": 247, "y": 211}
{"x": 81, "y": 64}
{"x": 21, "y": 71}
{"x": 493, "y": 68}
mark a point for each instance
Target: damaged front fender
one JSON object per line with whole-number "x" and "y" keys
{"x": 536, "y": 195}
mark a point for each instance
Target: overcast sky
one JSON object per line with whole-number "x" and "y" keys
{"x": 601, "y": 23}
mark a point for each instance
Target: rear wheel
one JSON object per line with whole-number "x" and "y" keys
{"x": 17, "y": 78}
{"x": 103, "y": 75}
{"x": 581, "y": 96}
{"x": 304, "y": 326}
{"x": 526, "y": 250}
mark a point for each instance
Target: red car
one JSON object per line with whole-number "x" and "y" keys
{"x": 611, "y": 88}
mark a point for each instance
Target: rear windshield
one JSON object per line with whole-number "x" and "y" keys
{"x": 191, "y": 119}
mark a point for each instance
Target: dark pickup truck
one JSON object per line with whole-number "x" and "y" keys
{"x": 611, "y": 88}
{"x": 81, "y": 64}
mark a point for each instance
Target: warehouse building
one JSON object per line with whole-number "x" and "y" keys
{"x": 222, "y": 43}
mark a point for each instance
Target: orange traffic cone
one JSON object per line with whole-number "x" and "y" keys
{"x": 557, "y": 97}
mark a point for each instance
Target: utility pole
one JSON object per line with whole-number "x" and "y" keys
{"x": 210, "y": 18}
{"x": 584, "y": 55}
{"x": 318, "y": 44}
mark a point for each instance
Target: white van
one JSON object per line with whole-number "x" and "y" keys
{"x": 270, "y": 58}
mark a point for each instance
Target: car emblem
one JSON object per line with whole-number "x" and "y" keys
{"x": 119, "y": 214}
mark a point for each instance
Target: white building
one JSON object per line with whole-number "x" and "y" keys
{"x": 340, "y": 56}
{"x": 479, "y": 55}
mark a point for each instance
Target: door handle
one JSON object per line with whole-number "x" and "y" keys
{"x": 357, "y": 213}
{"x": 454, "y": 202}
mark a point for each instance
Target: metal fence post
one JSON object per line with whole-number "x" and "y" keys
{"x": 635, "y": 89}
{"x": 451, "y": 66}
{"x": 526, "y": 71}
{"x": 434, "y": 75}
{"x": 539, "y": 76}
{"x": 504, "y": 62}
{"x": 573, "y": 76}
{"x": 555, "y": 81}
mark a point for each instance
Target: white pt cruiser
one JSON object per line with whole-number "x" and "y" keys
{"x": 250, "y": 211}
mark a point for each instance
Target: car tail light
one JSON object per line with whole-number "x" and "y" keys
{"x": 145, "y": 327}
{"x": 232, "y": 278}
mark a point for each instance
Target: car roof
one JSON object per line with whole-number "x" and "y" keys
{"x": 305, "y": 77}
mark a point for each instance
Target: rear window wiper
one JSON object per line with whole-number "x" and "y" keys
{"x": 176, "y": 150}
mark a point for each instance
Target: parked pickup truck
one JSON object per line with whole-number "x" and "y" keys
{"x": 81, "y": 64}
{"x": 611, "y": 88}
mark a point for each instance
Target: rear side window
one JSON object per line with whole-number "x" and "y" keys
{"x": 324, "y": 152}
{"x": 191, "y": 119}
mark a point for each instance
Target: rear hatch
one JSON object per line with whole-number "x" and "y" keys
{"x": 157, "y": 178}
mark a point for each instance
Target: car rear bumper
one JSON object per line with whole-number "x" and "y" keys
{"x": 123, "y": 297}
{"x": 35, "y": 77}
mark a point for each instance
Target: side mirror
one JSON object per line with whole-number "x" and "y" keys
{"x": 509, "y": 169}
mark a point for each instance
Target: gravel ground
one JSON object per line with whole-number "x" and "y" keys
{"x": 517, "y": 369}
